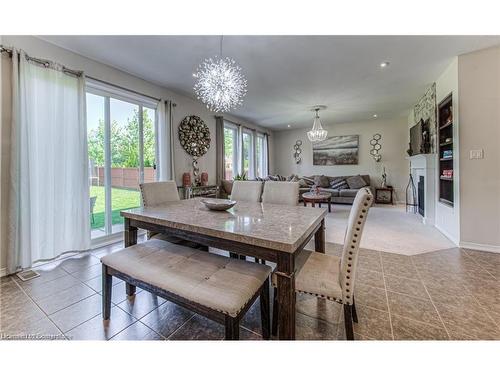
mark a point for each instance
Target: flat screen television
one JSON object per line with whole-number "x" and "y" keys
{"x": 416, "y": 138}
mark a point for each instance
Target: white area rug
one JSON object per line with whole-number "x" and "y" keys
{"x": 388, "y": 228}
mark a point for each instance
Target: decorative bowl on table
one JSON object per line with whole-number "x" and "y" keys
{"x": 218, "y": 204}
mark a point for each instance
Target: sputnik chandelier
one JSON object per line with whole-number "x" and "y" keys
{"x": 220, "y": 83}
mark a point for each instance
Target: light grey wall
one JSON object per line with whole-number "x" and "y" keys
{"x": 394, "y": 144}
{"x": 185, "y": 106}
{"x": 479, "y": 90}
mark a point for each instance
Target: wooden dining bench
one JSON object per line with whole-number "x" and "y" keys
{"x": 217, "y": 287}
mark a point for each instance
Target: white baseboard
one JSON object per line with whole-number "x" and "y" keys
{"x": 3, "y": 272}
{"x": 479, "y": 246}
{"x": 448, "y": 235}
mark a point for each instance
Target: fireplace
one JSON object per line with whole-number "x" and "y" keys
{"x": 421, "y": 195}
{"x": 424, "y": 173}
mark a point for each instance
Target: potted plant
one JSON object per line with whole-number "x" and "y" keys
{"x": 241, "y": 177}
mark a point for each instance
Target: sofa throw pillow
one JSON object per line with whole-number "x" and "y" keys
{"x": 303, "y": 183}
{"x": 308, "y": 180}
{"x": 355, "y": 182}
{"x": 338, "y": 184}
{"x": 321, "y": 181}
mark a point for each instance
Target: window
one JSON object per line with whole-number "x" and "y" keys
{"x": 122, "y": 150}
{"x": 261, "y": 155}
{"x": 230, "y": 151}
{"x": 248, "y": 154}
{"x": 245, "y": 151}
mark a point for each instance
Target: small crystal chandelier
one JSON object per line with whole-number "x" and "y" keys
{"x": 220, "y": 83}
{"x": 317, "y": 133}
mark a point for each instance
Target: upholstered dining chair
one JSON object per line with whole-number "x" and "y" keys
{"x": 248, "y": 191}
{"x": 157, "y": 193}
{"x": 163, "y": 192}
{"x": 278, "y": 192}
{"x": 331, "y": 277}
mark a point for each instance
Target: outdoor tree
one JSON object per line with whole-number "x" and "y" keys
{"x": 124, "y": 142}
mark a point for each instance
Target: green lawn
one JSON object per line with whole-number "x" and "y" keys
{"x": 121, "y": 199}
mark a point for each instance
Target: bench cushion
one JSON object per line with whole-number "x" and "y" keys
{"x": 214, "y": 281}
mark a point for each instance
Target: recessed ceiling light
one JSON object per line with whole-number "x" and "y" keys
{"x": 384, "y": 64}
{"x": 375, "y": 115}
{"x": 288, "y": 126}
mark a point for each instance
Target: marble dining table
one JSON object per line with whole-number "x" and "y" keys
{"x": 275, "y": 233}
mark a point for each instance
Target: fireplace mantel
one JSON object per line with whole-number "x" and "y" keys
{"x": 425, "y": 165}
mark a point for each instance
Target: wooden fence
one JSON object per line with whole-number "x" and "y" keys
{"x": 123, "y": 177}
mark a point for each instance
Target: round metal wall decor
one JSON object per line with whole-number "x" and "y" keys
{"x": 297, "y": 152}
{"x": 194, "y": 136}
{"x": 376, "y": 147}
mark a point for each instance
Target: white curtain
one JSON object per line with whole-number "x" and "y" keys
{"x": 239, "y": 150}
{"x": 49, "y": 195}
{"x": 165, "y": 138}
{"x": 265, "y": 153}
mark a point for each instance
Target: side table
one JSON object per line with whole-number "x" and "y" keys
{"x": 208, "y": 191}
{"x": 384, "y": 195}
{"x": 319, "y": 198}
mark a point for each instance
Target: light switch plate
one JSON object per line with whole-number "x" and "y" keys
{"x": 476, "y": 154}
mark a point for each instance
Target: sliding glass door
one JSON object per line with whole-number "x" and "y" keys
{"x": 121, "y": 143}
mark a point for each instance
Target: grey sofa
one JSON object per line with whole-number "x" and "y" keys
{"x": 338, "y": 196}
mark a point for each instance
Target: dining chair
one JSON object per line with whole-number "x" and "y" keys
{"x": 331, "y": 277}
{"x": 247, "y": 191}
{"x": 163, "y": 192}
{"x": 157, "y": 193}
{"x": 278, "y": 192}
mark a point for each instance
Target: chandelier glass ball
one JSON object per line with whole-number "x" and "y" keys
{"x": 317, "y": 133}
{"x": 220, "y": 84}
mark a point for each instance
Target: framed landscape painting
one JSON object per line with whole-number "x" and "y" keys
{"x": 336, "y": 150}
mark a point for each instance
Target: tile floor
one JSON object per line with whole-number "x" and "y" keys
{"x": 447, "y": 294}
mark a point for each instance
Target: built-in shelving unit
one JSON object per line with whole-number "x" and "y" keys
{"x": 445, "y": 136}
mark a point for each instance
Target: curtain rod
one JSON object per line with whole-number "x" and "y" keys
{"x": 77, "y": 72}
{"x": 126, "y": 89}
{"x": 45, "y": 63}
{"x": 243, "y": 126}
